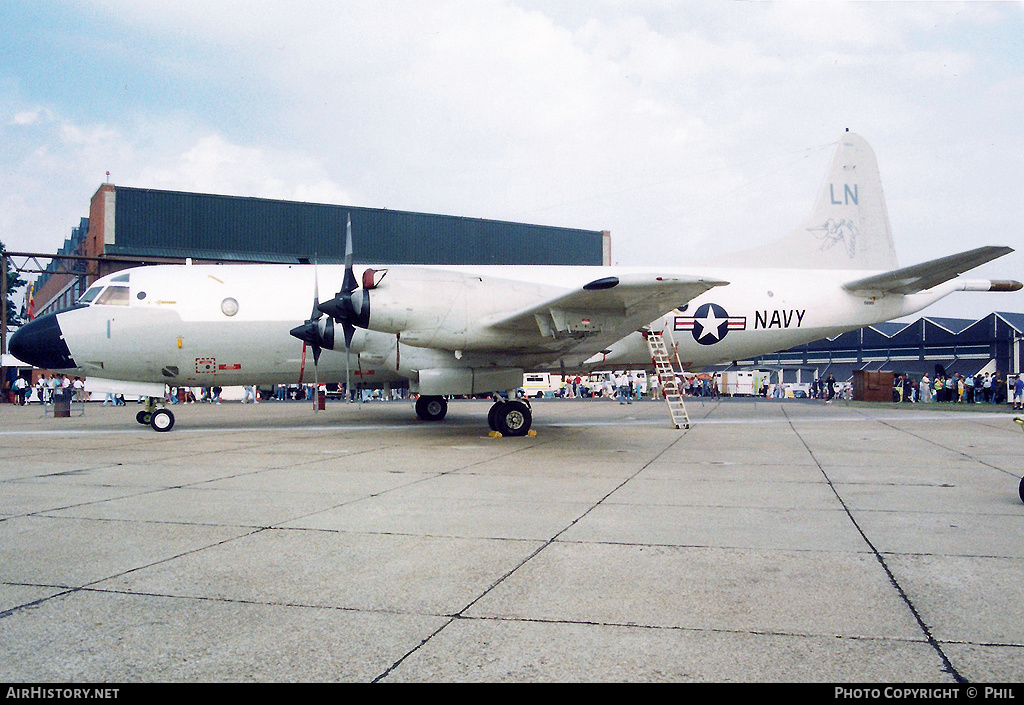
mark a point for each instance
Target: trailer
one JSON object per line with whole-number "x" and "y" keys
{"x": 743, "y": 383}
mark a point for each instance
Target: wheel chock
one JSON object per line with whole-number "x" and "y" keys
{"x": 497, "y": 434}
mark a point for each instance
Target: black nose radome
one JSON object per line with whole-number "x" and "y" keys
{"x": 41, "y": 344}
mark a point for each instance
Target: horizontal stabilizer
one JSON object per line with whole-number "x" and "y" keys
{"x": 919, "y": 277}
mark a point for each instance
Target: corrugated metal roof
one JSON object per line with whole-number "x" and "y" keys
{"x": 1015, "y": 320}
{"x": 159, "y": 223}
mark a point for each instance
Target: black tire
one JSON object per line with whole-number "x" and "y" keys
{"x": 162, "y": 420}
{"x": 143, "y": 417}
{"x": 1020, "y": 489}
{"x": 492, "y": 414}
{"x": 431, "y": 408}
{"x": 513, "y": 419}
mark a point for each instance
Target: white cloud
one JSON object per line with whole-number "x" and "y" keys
{"x": 61, "y": 163}
{"x": 29, "y": 117}
{"x": 213, "y": 165}
{"x": 678, "y": 126}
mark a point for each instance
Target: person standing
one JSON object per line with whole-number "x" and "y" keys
{"x": 20, "y": 389}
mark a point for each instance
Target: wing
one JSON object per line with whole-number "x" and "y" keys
{"x": 602, "y": 311}
{"x": 911, "y": 280}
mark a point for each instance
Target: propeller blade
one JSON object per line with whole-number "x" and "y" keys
{"x": 316, "y": 313}
{"x": 348, "y": 376}
{"x": 348, "y": 284}
{"x": 316, "y": 381}
{"x": 351, "y": 305}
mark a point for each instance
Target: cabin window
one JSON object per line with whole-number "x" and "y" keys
{"x": 113, "y": 296}
{"x": 90, "y": 294}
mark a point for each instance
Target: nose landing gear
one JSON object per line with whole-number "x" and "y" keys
{"x": 160, "y": 420}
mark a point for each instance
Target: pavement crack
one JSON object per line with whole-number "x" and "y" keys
{"x": 947, "y": 664}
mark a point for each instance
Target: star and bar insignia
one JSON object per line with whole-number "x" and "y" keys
{"x": 710, "y": 323}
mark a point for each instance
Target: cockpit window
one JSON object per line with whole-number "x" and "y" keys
{"x": 90, "y": 294}
{"x": 113, "y": 296}
{"x": 121, "y": 278}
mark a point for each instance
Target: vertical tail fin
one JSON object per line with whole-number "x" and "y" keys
{"x": 849, "y": 226}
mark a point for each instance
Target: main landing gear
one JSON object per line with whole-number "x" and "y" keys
{"x": 509, "y": 418}
{"x": 160, "y": 420}
{"x": 431, "y": 408}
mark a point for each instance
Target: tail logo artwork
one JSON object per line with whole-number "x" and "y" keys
{"x": 832, "y": 233}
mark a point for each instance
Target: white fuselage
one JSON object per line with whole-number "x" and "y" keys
{"x": 229, "y": 325}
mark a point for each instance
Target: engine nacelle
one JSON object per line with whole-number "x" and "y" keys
{"x": 430, "y": 307}
{"x": 465, "y": 380}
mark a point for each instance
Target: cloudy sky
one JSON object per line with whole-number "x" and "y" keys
{"x": 688, "y": 129}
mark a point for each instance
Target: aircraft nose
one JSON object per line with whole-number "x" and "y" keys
{"x": 41, "y": 344}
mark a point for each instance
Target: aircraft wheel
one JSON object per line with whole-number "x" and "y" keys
{"x": 514, "y": 418}
{"x": 431, "y": 408}
{"x": 143, "y": 417}
{"x": 492, "y": 414}
{"x": 1020, "y": 489}
{"x": 162, "y": 420}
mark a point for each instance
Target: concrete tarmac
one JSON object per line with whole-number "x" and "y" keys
{"x": 773, "y": 541}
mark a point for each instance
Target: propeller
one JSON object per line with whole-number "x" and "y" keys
{"x": 315, "y": 335}
{"x": 350, "y": 307}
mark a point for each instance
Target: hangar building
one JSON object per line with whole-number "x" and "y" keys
{"x": 129, "y": 225}
{"x": 951, "y": 345}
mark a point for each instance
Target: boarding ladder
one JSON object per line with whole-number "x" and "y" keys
{"x": 667, "y": 378}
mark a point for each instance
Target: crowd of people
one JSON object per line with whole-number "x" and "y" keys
{"x": 630, "y": 386}
{"x": 46, "y": 387}
{"x": 987, "y": 388}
